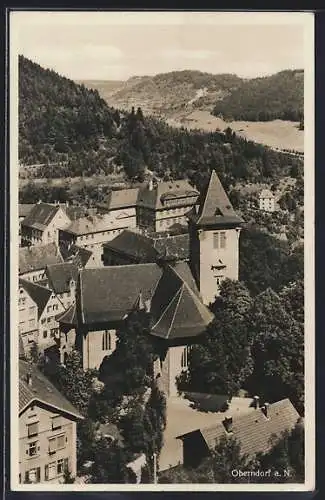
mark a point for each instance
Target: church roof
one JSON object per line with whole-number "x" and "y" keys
{"x": 178, "y": 308}
{"x": 108, "y": 294}
{"x": 215, "y": 207}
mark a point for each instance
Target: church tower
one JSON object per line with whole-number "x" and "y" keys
{"x": 214, "y": 230}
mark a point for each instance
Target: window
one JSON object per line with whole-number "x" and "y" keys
{"x": 184, "y": 359}
{"x": 33, "y": 475}
{"x": 106, "y": 342}
{"x": 60, "y": 442}
{"x": 219, "y": 240}
{"x": 62, "y": 464}
{"x": 33, "y": 448}
{"x": 56, "y": 422}
{"x": 52, "y": 445}
{"x": 31, "y": 322}
{"x": 49, "y": 319}
{"x": 223, "y": 239}
{"x": 45, "y": 334}
{"x": 48, "y": 308}
{"x": 22, "y": 300}
{"x": 32, "y": 429}
{"x": 43, "y": 321}
{"x": 219, "y": 280}
{"x": 50, "y": 471}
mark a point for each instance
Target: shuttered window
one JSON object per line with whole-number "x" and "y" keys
{"x": 60, "y": 442}
{"x": 223, "y": 240}
{"x": 56, "y": 422}
{"x": 50, "y": 471}
{"x": 52, "y": 445}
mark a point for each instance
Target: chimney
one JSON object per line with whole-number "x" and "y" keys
{"x": 265, "y": 409}
{"x": 256, "y": 402}
{"x": 227, "y": 422}
{"x": 29, "y": 379}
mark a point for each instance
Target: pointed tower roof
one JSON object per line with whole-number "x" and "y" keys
{"x": 215, "y": 207}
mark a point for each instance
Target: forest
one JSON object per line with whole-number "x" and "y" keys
{"x": 280, "y": 96}
{"x": 65, "y": 124}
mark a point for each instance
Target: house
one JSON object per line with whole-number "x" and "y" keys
{"x": 133, "y": 247}
{"x": 23, "y": 210}
{"x": 121, "y": 204}
{"x": 34, "y": 259}
{"x": 106, "y": 296}
{"x": 47, "y": 429}
{"x": 48, "y": 305}
{"x": 214, "y": 230}
{"x": 164, "y": 204}
{"x": 28, "y": 319}
{"x": 41, "y": 225}
{"x": 91, "y": 232}
{"x": 256, "y": 432}
{"x": 61, "y": 279}
{"x": 266, "y": 200}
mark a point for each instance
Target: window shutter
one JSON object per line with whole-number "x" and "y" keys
{"x": 66, "y": 464}
{"x": 32, "y": 429}
{"x": 27, "y": 476}
{"x": 46, "y": 472}
{"x": 60, "y": 442}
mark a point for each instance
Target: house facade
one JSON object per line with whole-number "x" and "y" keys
{"x": 47, "y": 429}
{"x": 28, "y": 319}
{"x": 266, "y": 201}
{"x": 41, "y": 225}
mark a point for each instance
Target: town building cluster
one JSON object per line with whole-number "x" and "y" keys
{"x": 163, "y": 248}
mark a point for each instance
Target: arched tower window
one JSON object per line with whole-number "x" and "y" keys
{"x": 106, "y": 341}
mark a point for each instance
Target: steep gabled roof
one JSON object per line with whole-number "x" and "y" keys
{"x": 34, "y": 258}
{"x": 178, "y": 308}
{"x": 42, "y": 390}
{"x": 254, "y": 431}
{"x": 68, "y": 317}
{"x": 39, "y": 294}
{"x": 215, "y": 207}
{"x": 60, "y": 275}
{"x": 40, "y": 216}
{"x": 24, "y": 209}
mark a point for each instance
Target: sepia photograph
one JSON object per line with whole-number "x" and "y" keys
{"x": 162, "y": 273}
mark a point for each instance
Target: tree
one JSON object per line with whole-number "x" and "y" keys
{"x": 287, "y": 455}
{"x": 110, "y": 464}
{"x": 222, "y": 363}
{"x": 277, "y": 350}
{"x": 75, "y": 383}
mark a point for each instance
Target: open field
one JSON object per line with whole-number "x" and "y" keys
{"x": 278, "y": 134}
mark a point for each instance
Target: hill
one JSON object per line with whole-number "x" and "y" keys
{"x": 167, "y": 93}
{"x": 71, "y": 131}
{"x": 279, "y": 96}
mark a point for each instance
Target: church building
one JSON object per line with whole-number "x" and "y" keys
{"x": 175, "y": 293}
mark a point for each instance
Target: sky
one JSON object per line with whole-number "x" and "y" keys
{"x": 118, "y": 45}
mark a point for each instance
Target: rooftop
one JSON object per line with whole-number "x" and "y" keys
{"x": 119, "y": 199}
{"x": 41, "y": 390}
{"x": 60, "y": 275}
{"x": 266, "y": 193}
{"x": 40, "y": 216}
{"x": 157, "y": 197}
{"x": 39, "y": 294}
{"x": 215, "y": 207}
{"x": 76, "y": 255}
{"x": 94, "y": 224}
{"x": 148, "y": 247}
{"x": 254, "y": 431}
{"x": 34, "y": 258}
